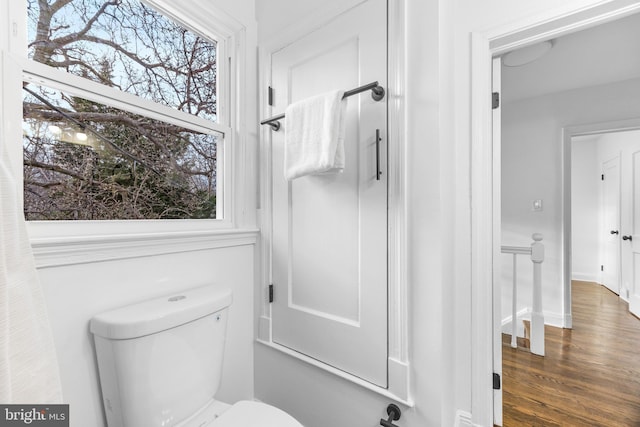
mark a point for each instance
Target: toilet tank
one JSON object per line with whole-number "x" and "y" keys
{"x": 160, "y": 361}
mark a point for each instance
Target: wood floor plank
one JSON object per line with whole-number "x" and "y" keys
{"x": 589, "y": 376}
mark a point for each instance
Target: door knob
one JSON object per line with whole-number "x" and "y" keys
{"x": 629, "y": 238}
{"x": 614, "y": 232}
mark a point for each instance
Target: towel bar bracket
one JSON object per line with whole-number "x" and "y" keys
{"x": 377, "y": 93}
{"x": 275, "y": 126}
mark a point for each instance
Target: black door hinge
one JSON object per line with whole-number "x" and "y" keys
{"x": 270, "y": 96}
{"x": 496, "y": 381}
{"x": 495, "y": 100}
{"x": 602, "y": 268}
{"x": 602, "y": 177}
{"x": 271, "y": 293}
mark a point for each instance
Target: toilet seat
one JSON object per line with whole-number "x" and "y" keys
{"x": 247, "y": 413}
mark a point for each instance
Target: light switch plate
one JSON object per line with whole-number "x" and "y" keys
{"x": 537, "y": 205}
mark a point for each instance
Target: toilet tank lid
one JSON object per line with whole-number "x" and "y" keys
{"x": 159, "y": 314}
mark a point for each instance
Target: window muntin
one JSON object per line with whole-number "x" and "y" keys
{"x": 88, "y": 161}
{"x": 76, "y": 42}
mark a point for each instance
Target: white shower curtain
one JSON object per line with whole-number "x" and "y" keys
{"x": 29, "y": 370}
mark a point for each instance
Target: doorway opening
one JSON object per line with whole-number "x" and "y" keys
{"x": 486, "y": 203}
{"x": 604, "y": 222}
{"x": 537, "y": 163}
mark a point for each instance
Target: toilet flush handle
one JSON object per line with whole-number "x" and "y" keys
{"x": 394, "y": 414}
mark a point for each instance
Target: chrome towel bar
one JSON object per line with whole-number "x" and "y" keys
{"x": 377, "y": 93}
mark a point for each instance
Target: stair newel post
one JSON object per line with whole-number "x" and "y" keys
{"x": 514, "y": 304}
{"x": 537, "y": 318}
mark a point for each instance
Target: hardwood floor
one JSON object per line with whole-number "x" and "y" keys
{"x": 589, "y": 376}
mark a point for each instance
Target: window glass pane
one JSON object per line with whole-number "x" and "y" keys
{"x": 88, "y": 161}
{"x": 125, "y": 44}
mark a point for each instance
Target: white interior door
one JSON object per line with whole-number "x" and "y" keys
{"x": 634, "y": 291}
{"x": 611, "y": 224}
{"x": 329, "y": 236}
{"x": 497, "y": 242}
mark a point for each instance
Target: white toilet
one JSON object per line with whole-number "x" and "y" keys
{"x": 160, "y": 364}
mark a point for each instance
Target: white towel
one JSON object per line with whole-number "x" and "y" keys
{"x": 314, "y": 135}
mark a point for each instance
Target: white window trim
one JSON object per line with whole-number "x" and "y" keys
{"x": 65, "y": 242}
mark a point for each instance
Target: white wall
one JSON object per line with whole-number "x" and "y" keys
{"x": 437, "y": 97}
{"x": 76, "y": 293}
{"x": 585, "y": 208}
{"x": 531, "y": 169}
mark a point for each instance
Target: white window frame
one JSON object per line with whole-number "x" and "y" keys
{"x": 71, "y": 242}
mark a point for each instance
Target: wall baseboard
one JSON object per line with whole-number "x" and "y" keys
{"x": 525, "y": 313}
{"x": 551, "y": 319}
{"x": 554, "y": 319}
{"x": 585, "y": 277}
{"x": 568, "y": 321}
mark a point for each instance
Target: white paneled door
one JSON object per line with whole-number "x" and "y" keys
{"x": 611, "y": 224}
{"x": 329, "y": 232}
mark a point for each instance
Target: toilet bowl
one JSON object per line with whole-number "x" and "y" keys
{"x": 244, "y": 413}
{"x": 160, "y": 364}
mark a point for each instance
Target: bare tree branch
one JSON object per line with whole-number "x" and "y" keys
{"x": 54, "y": 168}
{"x": 148, "y": 169}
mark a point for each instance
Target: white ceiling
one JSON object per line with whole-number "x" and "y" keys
{"x": 604, "y": 54}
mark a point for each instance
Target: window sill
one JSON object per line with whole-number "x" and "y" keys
{"x": 54, "y": 251}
